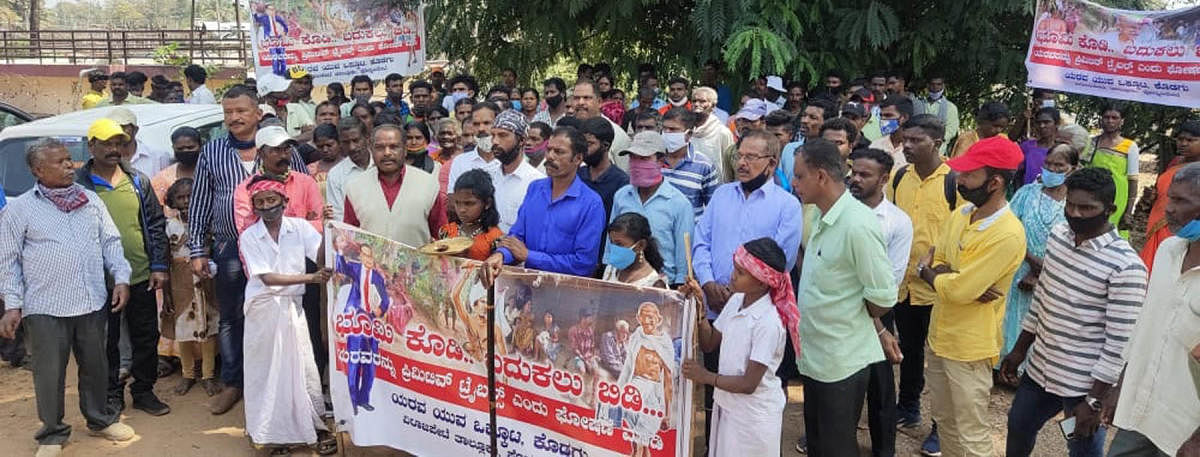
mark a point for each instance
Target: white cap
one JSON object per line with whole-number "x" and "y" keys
{"x": 122, "y": 116}
{"x": 271, "y": 82}
{"x": 267, "y": 109}
{"x": 773, "y": 82}
{"x": 272, "y": 136}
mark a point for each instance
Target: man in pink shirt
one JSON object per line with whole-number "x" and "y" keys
{"x": 274, "y": 159}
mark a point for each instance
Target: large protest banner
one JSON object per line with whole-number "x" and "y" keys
{"x": 1146, "y": 56}
{"x": 335, "y": 40}
{"x": 582, "y": 367}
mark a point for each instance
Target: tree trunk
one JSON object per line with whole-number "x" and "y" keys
{"x": 35, "y": 12}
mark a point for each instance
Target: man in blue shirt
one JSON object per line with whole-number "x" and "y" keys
{"x": 3, "y": 200}
{"x": 561, "y": 220}
{"x": 667, "y": 209}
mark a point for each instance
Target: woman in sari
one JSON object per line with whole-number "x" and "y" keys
{"x": 1187, "y": 140}
{"x": 1039, "y": 205}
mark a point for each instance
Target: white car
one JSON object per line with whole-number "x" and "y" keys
{"x": 155, "y": 124}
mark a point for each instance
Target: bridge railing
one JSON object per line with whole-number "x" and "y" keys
{"x": 219, "y": 47}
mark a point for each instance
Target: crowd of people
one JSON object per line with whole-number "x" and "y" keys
{"x": 830, "y": 237}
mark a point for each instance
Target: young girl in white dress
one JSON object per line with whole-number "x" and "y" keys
{"x": 748, "y": 401}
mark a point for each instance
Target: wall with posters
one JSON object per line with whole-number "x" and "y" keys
{"x": 1146, "y": 56}
{"x": 583, "y": 367}
{"x": 336, "y": 40}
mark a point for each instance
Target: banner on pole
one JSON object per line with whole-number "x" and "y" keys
{"x": 335, "y": 40}
{"x": 1146, "y": 56}
{"x": 583, "y": 367}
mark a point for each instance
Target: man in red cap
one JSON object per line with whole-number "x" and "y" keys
{"x": 969, "y": 268}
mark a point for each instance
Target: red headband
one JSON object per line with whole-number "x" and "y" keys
{"x": 782, "y": 295}
{"x": 266, "y": 185}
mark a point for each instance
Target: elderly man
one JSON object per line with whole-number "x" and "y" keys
{"x": 709, "y": 136}
{"x": 133, "y": 206}
{"x": 144, "y": 158}
{"x": 65, "y": 306}
{"x": 371, "y": 197}
{"x": 224, "y": 163}
{"x": 515, "y": 171}
{"x": 561, "y": 222}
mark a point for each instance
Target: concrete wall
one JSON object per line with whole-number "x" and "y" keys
{"x": 56, "y": 89}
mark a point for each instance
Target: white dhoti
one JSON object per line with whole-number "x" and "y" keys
{"x": 745, "y": 433}
{"x": 283, "y": 388}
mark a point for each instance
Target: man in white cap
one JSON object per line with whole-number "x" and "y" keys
{"x": 273, "y": 92}
{"x": 775, "y": 92}
{"x": 304, "y": 200}
{"x": 668, "y": 210}
{"x": 142, "y": 156}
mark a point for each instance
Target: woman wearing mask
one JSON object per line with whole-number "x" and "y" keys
{"x": 186, "y": 143}
{"x": 1039, "y": 205}
{"x": 537, "y": 138}
{"x": 417, "y": 150}
{"x": 632, "y": 256}
{"x": 1036, "y": 149}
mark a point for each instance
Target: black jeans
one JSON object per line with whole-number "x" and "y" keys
{"x": 912, "y": 325}
{"x": 831, "y": 412}
{"x": 312, "y": 313}
{"x": 881, "y": 402}
{"x": 141, "y": 315}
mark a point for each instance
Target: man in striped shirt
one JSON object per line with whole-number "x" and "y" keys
{"x": 212, "y": 234}
{"x": 1084, "y": 308}
{"x": 693, "y": 174}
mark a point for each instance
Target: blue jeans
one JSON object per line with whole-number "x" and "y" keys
{"x": 230, "y": 285}
{"x": 1031, "y": 408}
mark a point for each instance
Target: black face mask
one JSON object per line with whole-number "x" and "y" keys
{"x": 1087, "y": 225}
{"x": 507, "y": 157}
{"x": 977, "y": 196}
{"x": 187, "y": 158}
{"x": 753, "y": 184}
{"x": 554, "y": 101}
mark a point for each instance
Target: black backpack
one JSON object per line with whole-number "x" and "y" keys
{"x": 950, "y": 188}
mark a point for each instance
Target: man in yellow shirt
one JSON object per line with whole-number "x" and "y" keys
{"x": 98, "y": 81}
{"x": 970, "y": 268}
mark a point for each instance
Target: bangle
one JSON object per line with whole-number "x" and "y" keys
{"x": 884, "y": 329}
{"x": 716, "y": 378}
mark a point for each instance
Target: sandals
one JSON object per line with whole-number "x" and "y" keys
{"x": 326, "y": 444}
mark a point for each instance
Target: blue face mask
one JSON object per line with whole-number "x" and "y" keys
{"x": 1190, "y": 231}
{"x": 889, "y": 126}
{"x": 1052, "y": 179}
{"x": 619, "y": 257}
{"x": 516, "y": 104}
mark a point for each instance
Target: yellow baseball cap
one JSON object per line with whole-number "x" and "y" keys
{"x": 104, "y": 129}
{"x": 297, "y": 72}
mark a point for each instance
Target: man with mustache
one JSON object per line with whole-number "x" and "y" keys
{"x": 483, "y": 117}
{"x": 969, "y": 269}
{"x": 133, "y": 206}
{"x": 515, "y": 172}
{"x": 561, "y": 220}
{"x": 353, "y": 136}
{"x": 224, "y": 163}
{"x": 598, "y": 170}
{"x": 304, "y": 199}
{"x": 371, "y": 197}
{"x": 58, "y": 247}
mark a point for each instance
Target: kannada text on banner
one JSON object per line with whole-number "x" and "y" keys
{"x": 583, "y": 367}
{"x": 335, "y": 40}
{"x": 1146, "y": 56}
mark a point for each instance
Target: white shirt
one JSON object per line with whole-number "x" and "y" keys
{"x": 898, "y": 234}
{"x": 262, "y": 254}
{"x": 335, "y": 183}
{"x": 202, "y": 96}
{"x": 148, "y": 160}
{"x": 1158, "y": 398}
{"x": 510, "y": 192}
{"x": 755, "y": 333}
{"x": 468, "y": 161}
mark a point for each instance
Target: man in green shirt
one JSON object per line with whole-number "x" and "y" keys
{"x": 846, "y": 283}
{"x": 132, "y": 204}
{"x": 120, "y": 92}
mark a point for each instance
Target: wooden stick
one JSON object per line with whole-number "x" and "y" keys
{"x": 687, "y": 246}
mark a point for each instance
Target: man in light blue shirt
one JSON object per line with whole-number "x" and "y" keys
{"x": 3, "y": 199}
{"x": 667, "y": 209}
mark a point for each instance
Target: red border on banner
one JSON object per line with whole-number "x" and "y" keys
{"x": 295, "y": 55}
{"x": 1116, "y": 66}
{"x": 450, "y": 394}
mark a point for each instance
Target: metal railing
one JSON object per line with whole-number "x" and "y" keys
{"x": 220, "y": 47}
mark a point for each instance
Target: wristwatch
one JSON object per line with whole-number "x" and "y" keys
{"x": 1092, "y": 402}
{"x": 921, "y": 270}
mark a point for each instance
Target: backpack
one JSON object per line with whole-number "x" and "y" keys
{"x": 950, "y": 188}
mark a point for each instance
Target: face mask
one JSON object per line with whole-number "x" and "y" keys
{"x": 977, "y": 196}
{"x": 516, "y": 104}
{"x": 754, "y": 184}
{"x": 483, "y": 143}
{"x": 678, "y": 103}
{"x": 674, "y": 141}
{"x": 271, "y": 214}
{"x": 1086, "y": 224}
{"x": 1190, "y": 231}
{"x": 554, "y": 101}
{"x": 936, "y": 95}
{"x": 1052, "y": 179}
{"x": 889, "y": 126}
{"x": 1047, "y": 103}
{"x": 645, "y": 173}
{"x": 619, "y": 257}
{"x": 188, "y": 158}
